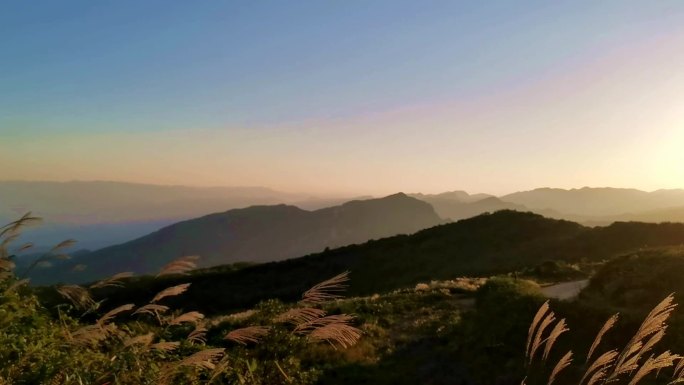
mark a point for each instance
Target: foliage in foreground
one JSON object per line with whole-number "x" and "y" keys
{"x": 636, "y": 362}
{"x": 152, "y": 343}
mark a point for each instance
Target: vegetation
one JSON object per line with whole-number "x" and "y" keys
{"x": 483, "y": 246}
{"x": 87, "y": 342}
{"x": 435, "y": 332}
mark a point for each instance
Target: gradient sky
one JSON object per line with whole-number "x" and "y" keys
{"x": 345, "y": 97}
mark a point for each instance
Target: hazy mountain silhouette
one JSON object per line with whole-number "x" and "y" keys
{"x": 104, "y": 213}
{"x": 457, "y": 205}
{"x": 100, "y": 214}
{"x": 259, "y": 234}
{"x": 598, "y": 202}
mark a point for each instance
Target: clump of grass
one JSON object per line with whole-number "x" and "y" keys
{"x": 629, "y": 365}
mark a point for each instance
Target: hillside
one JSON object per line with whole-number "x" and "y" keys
{"x": 482, "y": 246}
{"x": 256, "y": 234}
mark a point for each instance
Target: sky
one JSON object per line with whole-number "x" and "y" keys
{"x": 345, "y": 97}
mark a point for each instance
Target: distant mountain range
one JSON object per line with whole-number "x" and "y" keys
{"x": 590, "y": 206}
{"x": 149, "y": 225}
{"x": 254, "y": 234}
{"x": 597, "y": 202}
{"x": 99, "y": 214}
{"x": 460, "y": 205}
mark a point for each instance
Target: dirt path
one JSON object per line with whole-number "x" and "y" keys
{"x": 565, "y": 290}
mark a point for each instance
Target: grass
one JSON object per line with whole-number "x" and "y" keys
{"x": 629, "y": 365}
{"x": 89, "y": 343}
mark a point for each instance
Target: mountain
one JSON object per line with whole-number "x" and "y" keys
{"x": 457, "y": 196}
{"x": 104, "y": 213}
{"x": 460, "y": 205}
{"x": 257, "y": 234}
{"x": 485, "y": 245}
{"x": 598, "y": 202}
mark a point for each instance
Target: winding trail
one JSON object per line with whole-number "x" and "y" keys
{"x": 565, "y": 290}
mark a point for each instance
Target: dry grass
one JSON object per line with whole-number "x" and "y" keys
{"x": 299, "y": 316}
{"x": 106, "y": 339}
{"x": 557, "y": 330}
{"x": 165, "y": 346}
{"x": 113, "y": 281}
{"x": 601, "y": 364}
{"x": 249, "y": 334}
{"x": 327, "y": 290}
{"x": 604, "y": 329}
{"x": 107, "y": 317}
{"x": 171, "y": 292}
{"x": 181, "y": 265}
{"x": 563, "y": 363}
{"x": 14, "y": 227}
{"x": 189, "y": 317}
{"x": 198, "y": 335}
{"x": 630, "y": 365}
{"x": 204, "y": 359}
{"x": 78, "y": 296}
{"x": 338, "y": 334}
{"x": 152, "y": 309}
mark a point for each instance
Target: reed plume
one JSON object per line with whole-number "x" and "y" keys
{"x": 165, "y": 346}
{"x": 309, "y": 326}
{"x": 602, "y": 363}
{"x": 113, "y": 313}
{"x": 248, "y": 334}
{"x": 336, "y": 334}
{"x": 77, "y": 295}
{"x": 557, "y": 330}
{"x": 327, "y": 290}
{"x": 543, "y": 309}
{"x": 113, "y": 281}
{"x": 604, "y": 329}
{"x": 13, "y": 227}
{"x": 191, "y": 317}
{"x": 204, "y": 359}
{"x": 563, "y": 363}
{"x": 151, "y": 309}
{"x": 651, "y": 364}
{"x": 198, "y": 335}
{"x": 654, "y": 323}
{"x": 170, "y": 292}
{"x": 301, "y": 315}
{"x": 678, "y": 374}
{"x": 179, "y": 266}
{"x": 63, "y": 245}
{"x": 537, "y": 340}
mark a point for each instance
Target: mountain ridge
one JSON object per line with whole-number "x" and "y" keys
{"x": 259, "y": 234}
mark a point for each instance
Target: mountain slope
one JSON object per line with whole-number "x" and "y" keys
{"x": 260, "y": 234}
{"x": 481, "y": 246}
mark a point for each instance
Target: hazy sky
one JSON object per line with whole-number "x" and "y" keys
{"x": 345, "y": 96}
